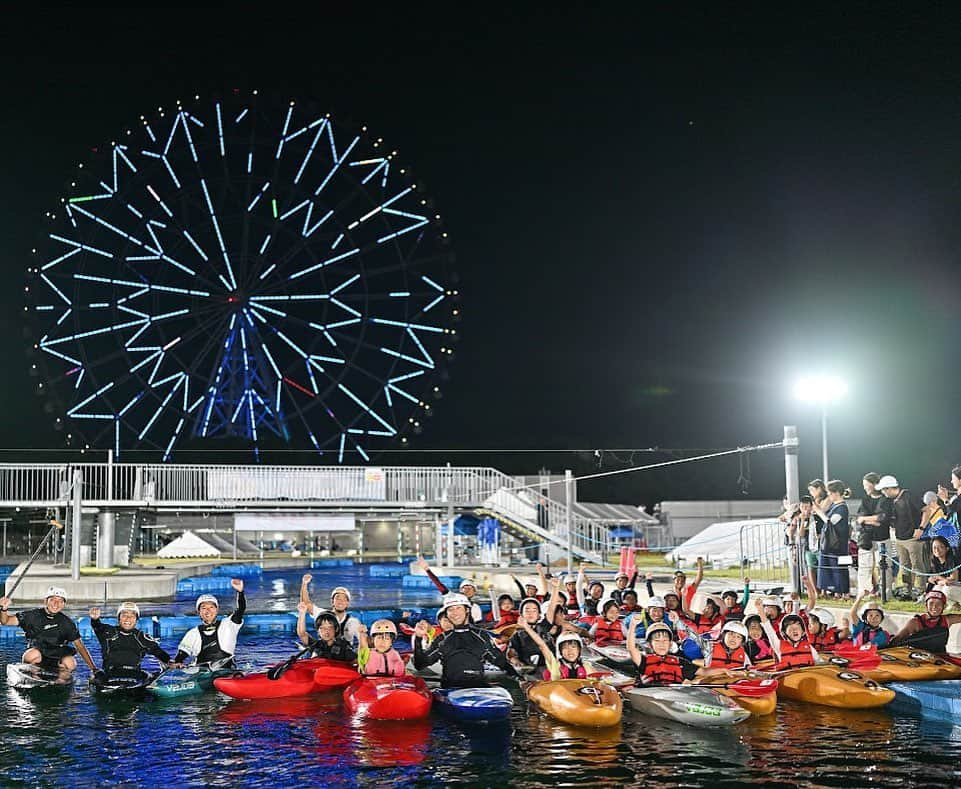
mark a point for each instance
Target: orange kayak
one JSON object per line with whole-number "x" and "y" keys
{"x": 832, "y": 687}
{"x": 580, "y": 702}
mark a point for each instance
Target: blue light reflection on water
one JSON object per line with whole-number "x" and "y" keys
{"x": 68, "y": 738}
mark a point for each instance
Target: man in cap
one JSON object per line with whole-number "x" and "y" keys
{"x": 124, "y": 646}
{"x": 214, "y": 640}
{"x": 50, "y": 633}
{"x": 898, "y": 512}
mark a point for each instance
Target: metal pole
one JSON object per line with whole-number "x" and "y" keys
{"x": 75, "y": 526}
{"x": 110, "y": 475}
{"x": 5, "y": 522}
{"x": 450, "y": 534}
{"x": 824, "y": 442}
{"x": 791, "y": 446}
{"x": 567, "y": 520}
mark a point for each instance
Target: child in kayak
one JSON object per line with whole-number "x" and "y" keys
{"x": 793, "y": 649}
{"x": 758, "y": 647}
{"x": 50, "y": 633}
{"x": 348, "y": 626}
{"x": 607, "y": 628}
{"x": 771, "y": 610}
{"x": 383, "y": 660}
{"x": 214, "y": 640}
{"x": 567, "y": 662}
{"x": 735, "y": 606}
{"x": 622, "y": 583}
{"x": 822, "y": 633}
{"x": 728, "y": 652}
{"x": 867, "y": 623}
{"x": 503, "y": 612}
{"x": 710, "y": 618}
{"x": 124, "y": 646}
{"x": 521, "y": 649}
{"x": 572, "y": 610}
{"x": 539, "y": 593}
{"x": 661, "y": 666}
{"x": 329, "y": 644}
{"x": 629, "y": 603}
{"x": 462, "y": 651}
{"x": 594, "y": 592}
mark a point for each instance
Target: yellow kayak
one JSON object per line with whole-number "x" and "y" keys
{"x": 832, "y": 687}
{"x": 579, "y": 702}
{"x": 756, "y": 705}
{"x": 907, "y": 664}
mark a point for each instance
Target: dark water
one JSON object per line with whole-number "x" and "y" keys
{"x": 68, "y": 738}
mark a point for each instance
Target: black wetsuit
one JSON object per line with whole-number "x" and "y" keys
{"x": 52, "y": 634}
{"x": 462, "y": 653}
{"x": 123, "y": 650}
{"x": 340, "y": 649}
{"x": 211, "y": 650}
{"x": 523, "y": 645}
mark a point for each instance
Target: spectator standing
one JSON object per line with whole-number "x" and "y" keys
{"x": 868, "y": 542}
{"x": 903, "y": 518}
{"x": 832, "y": 577}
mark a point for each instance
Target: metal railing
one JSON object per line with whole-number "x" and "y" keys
{"x": 765, "y": 556}
{"x": 199, "y": 486}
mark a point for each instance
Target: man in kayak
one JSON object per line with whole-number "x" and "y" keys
{"x": 329, "y": 644}
{"x": 214, "y": 640}
{"x": 462, "y": 651}
{"x": 50, "y": 633}
{"x": 661, "y": 666}
{"x": 383, "y": 660}
{"x": 928, "y": 630}
{"x": 348, "y": 627}
{"x": 124, "y": 646}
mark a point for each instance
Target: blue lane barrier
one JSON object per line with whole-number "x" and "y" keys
{"x": 317, "y": 563}
{"x": 238, "y": 570}
{"x": 387, "y": 570}
{"x": 203, "y": 584}
{"x": 423, "y": 582}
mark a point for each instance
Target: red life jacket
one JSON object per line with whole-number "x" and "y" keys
{"x": 626, "y": 609}
{"x": 509, "y": 617}
{"x": 661, "y": 670}
{"x": 795, "y": 655}
{"x": 927, "y": 624}
{"x": 824, "y": 642}
{"x": 568, "y": 672}
{"x": 721, "y": 658}
{"x": 573, "y": 610}
{"x": 608, "y": 632}
{"x": 736, "y": 610}
{"x": 701, "y": 624}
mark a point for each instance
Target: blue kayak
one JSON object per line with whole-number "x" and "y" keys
{"x": 478, "y": 705}
{"x": 940, "y": 699}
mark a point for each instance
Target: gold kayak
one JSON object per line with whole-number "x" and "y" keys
{"x": 832, "y": 687}
{"x": 907, "y": 664}
{"x": 579, "y": 702}
{"x": 756, "y": 705}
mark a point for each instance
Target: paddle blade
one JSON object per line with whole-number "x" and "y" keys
{"x": 276, "y": 672}
{"x": 755, "y": 688}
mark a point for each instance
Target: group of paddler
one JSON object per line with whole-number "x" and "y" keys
{"x": 571, "y": 648}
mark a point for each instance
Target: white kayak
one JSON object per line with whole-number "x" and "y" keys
{"x": 434, "y": 671}
{"x": 26, "y": 675}
{"x": 688, "y": 704}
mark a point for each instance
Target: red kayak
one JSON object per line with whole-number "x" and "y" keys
{"x": 388, "y": 698}
{"x": 314, "y": 675}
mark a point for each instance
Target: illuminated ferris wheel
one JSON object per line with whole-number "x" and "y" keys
{"x": 239, "y": 268}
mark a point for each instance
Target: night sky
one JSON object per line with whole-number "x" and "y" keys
{"x": 660, "y": 219}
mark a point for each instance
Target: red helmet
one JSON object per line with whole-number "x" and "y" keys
{"x": 936, "y": 594}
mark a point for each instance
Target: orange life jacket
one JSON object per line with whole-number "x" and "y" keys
{"x": 824, "y": 642}
{"x": 795, "y": 655}
{"x": 661, "y": 670}
{"x": 721, "y": 658}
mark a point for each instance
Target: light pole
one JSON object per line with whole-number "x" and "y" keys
{"x": 823, "y": 390}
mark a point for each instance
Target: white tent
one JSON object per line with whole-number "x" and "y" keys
{"x": 187, "y": 546}
{"x": 731, "y": 543}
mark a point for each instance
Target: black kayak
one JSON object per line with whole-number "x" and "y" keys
{"x": 123, "y": 687}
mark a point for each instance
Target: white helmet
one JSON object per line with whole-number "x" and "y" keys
{"x": 735, "y": 627}
{"x": 340, "y": 590}
{"x": 127, "y": 606}
{"x": 824, "y": 616}
{"x": 565, "y": 638}
{"x": 870, "y": 606}
{"x": 452, "y": 599}
{"x": 466, "y": 582}
{"x": 773, "y": 600}
{"x": 56, "y": 591}
{"x": 656, "y": 602}
{"x": 207, "y": 598}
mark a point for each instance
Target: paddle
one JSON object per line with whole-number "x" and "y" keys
{"x": 745, "y": 687}
{"x": 276, "y": 672}
{"x": 935, "y": 638}
{"x": 56, "y": 525}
